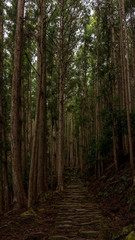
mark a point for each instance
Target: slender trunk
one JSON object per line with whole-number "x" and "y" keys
{"x": 32, "y": 190}
{"x": 1, "y": 110}
{"x": 42, "y": 158}
{"x": 127, "y": 92}
{"x": 39, "y": 139}
{"x": 18, "y": 188}
{"x": 132, "y": 51}
{"x": 51, "y": 148}
{"x": 114, "y": 89}
{"x": 33, "y": 164}
{"x": 55, "y": 150}
{"x": 81, "y": 150}
{"x": 23, "y": 143}
{"x": 71, "y": 142}
{"x": 6, "y": 178}
{"x": 127, "y": 56}
{"x": 68, "y": 141}
{"x": 85, "y": 87}
{"x": 76, "y": 155}
{"x": 114, "y": 149}
{"x": 123, "y": 146}
{"x": 60, "y": 103}
{"x": 97, "y": 96}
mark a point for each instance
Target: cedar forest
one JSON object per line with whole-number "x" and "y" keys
{"x": 67, "y": 94}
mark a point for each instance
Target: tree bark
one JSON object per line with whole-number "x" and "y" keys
{"x": 1, "y": 110}
{"x": 38, "y": 180}
{"x": 97, "y": 94}
{"x": 114, "y": 89}
{"x": 81, "y": 150}
{"x": 42, "y": 158}
{"x": 71, "y": 142}
{"x": 23, "y": 135}
{"x": 60, "y": 103}
{"x": 127, "y": 56}
{"x": 127, "y": 88}
{"x": 18, "y": 188}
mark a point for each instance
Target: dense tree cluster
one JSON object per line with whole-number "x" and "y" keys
{"x": 67, "y": 82}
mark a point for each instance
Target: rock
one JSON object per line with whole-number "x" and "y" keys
{"x": 36, "y": 236}
{"x": 131, "y": 236}
{"x": 80, "y": 238}
{"x": 65, "y": 226}
{"x": 64, "y": 222}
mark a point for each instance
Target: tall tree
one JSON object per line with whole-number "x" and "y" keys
{"x": 126, "y": 81}
{"x": 115, "y": 87}
{"x": 42, "y": 158}
{"x": 68, "y": 25}
{"x": 38, "y": 179}
{"x": 18, "y": 188}
{"x": 61, "y": 98}
{"x": 1, "y": 109}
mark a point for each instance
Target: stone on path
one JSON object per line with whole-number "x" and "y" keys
{"x": 89, "y": 234}
{"x": 78, "y": 218}
{"x": 36, "y": 236}
{"x": 57, "y": 237}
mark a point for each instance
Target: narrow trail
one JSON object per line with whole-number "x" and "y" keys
{"x": 78, "y": 217}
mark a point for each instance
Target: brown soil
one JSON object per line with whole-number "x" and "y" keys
{"x": 13, "y": 226}
{"x": 115, "y": 194}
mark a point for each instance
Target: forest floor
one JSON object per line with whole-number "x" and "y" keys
{"x": 105, "y": 206}
{"x": 115, "y": 195}
{"x": 36, "y": 223}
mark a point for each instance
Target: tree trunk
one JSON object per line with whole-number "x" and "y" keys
{"x": 127, "y": 87}
{"x": 42, "y": 157}
{"x": 1, "y": 110}
{"x": 71, "y": 142}
{"x": 97, "y": 95}
{"x": 127, "y": 57}
{"x": 60, "y": 103}
{"x": 33, "y": 164}
{"x": 18, "y": 188}
{"x": 38, "y": 180}
{"x": 81, "y": 150}
{"x": 115, "y": 88}
{"x": 76, "y": 154}
{"x": 68, "y": 140}
{"x": 32, "y": 190}
{"x": 23, "y": 135}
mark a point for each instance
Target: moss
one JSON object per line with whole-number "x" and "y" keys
{"x": 131, "y": 236}
{"x": 126, "y": 230}
{"x": 30, "y": 212}
{"x": 42, "y": 210}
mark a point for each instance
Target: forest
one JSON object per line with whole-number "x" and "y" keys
{"x": 67, "y": 103}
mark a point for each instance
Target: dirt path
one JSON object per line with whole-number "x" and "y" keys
{"x": 78, "y": 217}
